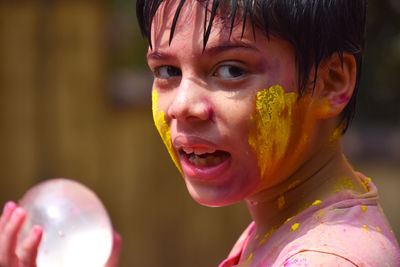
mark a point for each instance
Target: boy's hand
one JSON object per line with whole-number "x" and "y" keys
{"x": 11, "y": 221}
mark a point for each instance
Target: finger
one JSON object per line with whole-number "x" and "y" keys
{"x": 115, "y": 252}
{"x": 8, "y": 238}
{"x": 30, "y": 246}
{"x": 9, "y": 207}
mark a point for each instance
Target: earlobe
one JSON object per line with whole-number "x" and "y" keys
{"x": 336, "y": 80}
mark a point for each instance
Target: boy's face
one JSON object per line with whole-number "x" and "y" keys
{"x": 229, "y": 136}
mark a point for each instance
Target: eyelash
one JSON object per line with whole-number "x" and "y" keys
{"x": 240, "y": 72}
{"x": 157, "y": 72}
{"x": 222, "y": 71}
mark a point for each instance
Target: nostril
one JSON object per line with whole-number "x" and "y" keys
{"x": 210, "y": 113}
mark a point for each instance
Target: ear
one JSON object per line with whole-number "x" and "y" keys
{"x": 335, "y": 84}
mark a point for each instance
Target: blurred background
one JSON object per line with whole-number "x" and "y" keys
{"x": 75, "y": 102}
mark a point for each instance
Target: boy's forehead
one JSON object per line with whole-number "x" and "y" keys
{"x": 163, "y": 19}
{"x": 190, "y": 24}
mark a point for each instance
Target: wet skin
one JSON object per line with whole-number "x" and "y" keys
{"x": 208, "y": 99}
{"x": 236, "y": 106}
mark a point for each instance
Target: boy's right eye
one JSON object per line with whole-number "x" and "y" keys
{"x": 167, "y": 72}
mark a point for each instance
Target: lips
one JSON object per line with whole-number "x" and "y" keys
{"x": 200, "y": 158}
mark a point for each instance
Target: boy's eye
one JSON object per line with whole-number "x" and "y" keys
{"x": 228, "y": 72}
{"x": 167, "y": 72}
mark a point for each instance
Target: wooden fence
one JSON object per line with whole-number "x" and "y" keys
{"x": 57, "y": 120}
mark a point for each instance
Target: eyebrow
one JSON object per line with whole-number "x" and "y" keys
{"x": 208, "y": 51}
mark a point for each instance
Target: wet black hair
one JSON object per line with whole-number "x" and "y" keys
{"x": 317, "y": 29}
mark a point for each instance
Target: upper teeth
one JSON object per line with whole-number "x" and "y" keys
{"x": 198, "y": 151}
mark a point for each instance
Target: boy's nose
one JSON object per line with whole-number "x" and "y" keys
{"x": 190, "y": 103}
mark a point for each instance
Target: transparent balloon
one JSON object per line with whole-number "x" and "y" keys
{"x": 77, "y": 231}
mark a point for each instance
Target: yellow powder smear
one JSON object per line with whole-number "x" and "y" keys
{"x": 289, "y": 219}
{"x": 303, "y": 208}
{"x": 379, "y": 229}
{"x": 281, "y": 202}
{"x": 295, "y": 227}
{"x": 319, "y": 214}
{"x": 364, "y": 208}
{"x": 273, "y": 126}
{"x": 343, "y": 183}
{"x": 337, "y": 133}
{"x": 250, "y": 257}
{"x": 267, "y": 235}
{"x": 164, "y": 130}
{"x": 282, "y": 126}
{"x": 365, "y": 227}
{"x": 294, "y": 184}
{"x": 365, "y": 183}
{"x": 316, "y": 202}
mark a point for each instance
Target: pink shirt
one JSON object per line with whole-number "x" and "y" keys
{"x": 347, "y": 229}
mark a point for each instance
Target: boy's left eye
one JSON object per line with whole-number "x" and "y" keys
{"x": 228, "y": 72}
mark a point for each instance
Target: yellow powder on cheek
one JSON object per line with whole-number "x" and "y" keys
{"x": 281, "y": 129}
{"x": 164, "y": 130}
{"x": 270, "y": 137}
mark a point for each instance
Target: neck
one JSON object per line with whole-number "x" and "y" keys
{"x": 318, "y": 178}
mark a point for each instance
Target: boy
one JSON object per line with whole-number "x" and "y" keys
{"x": 250, "y": 98}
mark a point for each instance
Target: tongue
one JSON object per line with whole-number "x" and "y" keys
{"x": 208, "y": 160}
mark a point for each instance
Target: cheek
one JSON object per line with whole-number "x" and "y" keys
{"x": 278, "y": 130}
{"x": 164, "y": 130}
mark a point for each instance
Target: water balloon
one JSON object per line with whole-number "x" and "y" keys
{"x": 76, "y": 228}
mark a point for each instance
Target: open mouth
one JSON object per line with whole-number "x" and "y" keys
{"x": 201, "y": 158}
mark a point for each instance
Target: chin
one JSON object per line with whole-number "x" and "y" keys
{"x": 212, "y": 195}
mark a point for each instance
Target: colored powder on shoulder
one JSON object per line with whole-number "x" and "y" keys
{"x": 365, "y": 183}
{"x": 295, "y": 227}
{"x": 289, "y": 219}
{"x": 364, "y": 208}
{"x": 342, "y": 184}
{"x": 267, "y": 235}
{"x": 316, "y": 202}
{"x": 319, "y": 214}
